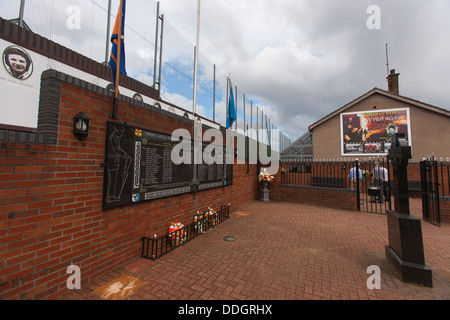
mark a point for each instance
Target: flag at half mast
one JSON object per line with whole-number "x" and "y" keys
{"x": 231, "y": 110}
{"x": 116, "y": 53}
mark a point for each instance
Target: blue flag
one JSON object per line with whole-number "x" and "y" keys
{"x": 231, "y": 115}
{"x": 115, "y": 45}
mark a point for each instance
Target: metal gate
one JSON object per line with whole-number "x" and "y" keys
{"x": 429, "y": 177}
{"x": 374, "y": 195}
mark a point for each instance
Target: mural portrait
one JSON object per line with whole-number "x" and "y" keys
{"x": 17, "y": 62}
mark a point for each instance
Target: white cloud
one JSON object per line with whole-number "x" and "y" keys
{"x": 299, "y": 60}
{"x": 305, "y": 59}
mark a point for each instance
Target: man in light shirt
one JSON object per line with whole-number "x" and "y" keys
{"x": 380, "y": 178}
{"x": 352, "y": 176}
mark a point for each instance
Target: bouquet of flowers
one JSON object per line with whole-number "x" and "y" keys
{"x": 205, "y": 221}
{"x": 366, "y": 174}
{"x": 214, "y": 216}
{"x": 283, "y": 171}
{"x": 176, "y": 233}
{"x": 198, "y": 222}
{"x": 265, "y": 177}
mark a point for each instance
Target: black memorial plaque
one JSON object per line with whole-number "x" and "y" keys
{"x": 139, "y": 167}
{"x": 211, "y": 175}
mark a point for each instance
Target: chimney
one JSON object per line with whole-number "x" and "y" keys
{"x": 393, "y": 82}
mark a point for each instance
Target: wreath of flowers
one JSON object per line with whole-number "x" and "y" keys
{"x": 205, "y": 221}
{"x": 198, "y": 220}
{"x": 213, "y": 217}
{"x": 176, "y": 233}
{"x": 265, "y": 177}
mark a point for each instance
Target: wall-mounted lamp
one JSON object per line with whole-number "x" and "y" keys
{"x": 81, "y": 126}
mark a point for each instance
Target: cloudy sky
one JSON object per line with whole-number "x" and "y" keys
{"x": 304, "y": 59}
{"x": 298, "y": 60}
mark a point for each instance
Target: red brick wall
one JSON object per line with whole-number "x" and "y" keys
{"x": 51, "y": 195}
{"x": 445, "y": 209}
{"x": 341, "y": 199}
{"x": 328, "y": 197}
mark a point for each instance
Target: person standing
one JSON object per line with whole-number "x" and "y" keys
{"x": 380, "y": 178}
{"x": 353, "y": 177}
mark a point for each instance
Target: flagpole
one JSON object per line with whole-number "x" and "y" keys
{"x": 196, "y": 59}
{"x": 228, "y": 100}
{"x": 236, "y": 107}
{"x": 108, "y": 36}
{"x": 156, "y": 45}
{"x": 119, "y": 47}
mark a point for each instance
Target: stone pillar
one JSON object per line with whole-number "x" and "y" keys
{"x": 405, "y": 249}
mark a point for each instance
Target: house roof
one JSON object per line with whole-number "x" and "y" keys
{"x": 384, "y": 93}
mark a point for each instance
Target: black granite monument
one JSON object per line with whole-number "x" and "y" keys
{"x": 405, "y": 249}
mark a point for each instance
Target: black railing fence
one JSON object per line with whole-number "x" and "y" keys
{"x": 443, "y": 172}
{"x": 373, "y": 196}
{"x": 326, "y": 173}
{"x": 435, "y": 187}
{"x": 375, "y": 186}
{"x": 154, "y": 248}
{"x": 331, "y": 174}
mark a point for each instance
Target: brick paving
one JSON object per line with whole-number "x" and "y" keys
{"x": 285, "y": 251}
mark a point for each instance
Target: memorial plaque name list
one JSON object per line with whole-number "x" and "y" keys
{"x": 139, "y": 167}
{"x": 212, "y": 175}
